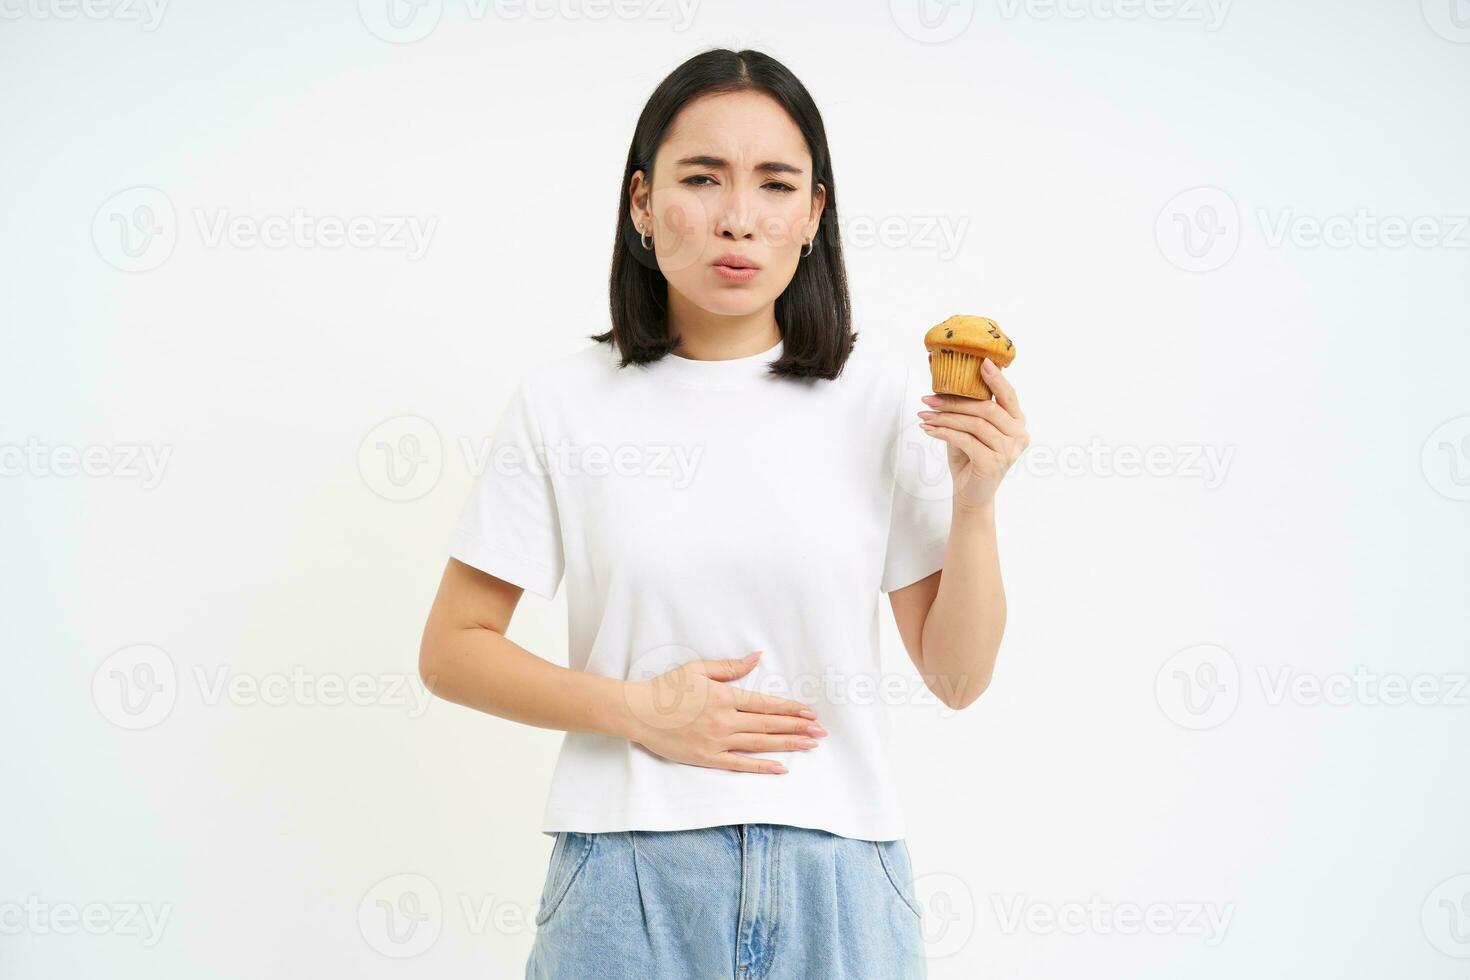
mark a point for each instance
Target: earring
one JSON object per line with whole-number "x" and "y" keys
{"x": 808, "y": 244}
{"x": 643, "y": 239}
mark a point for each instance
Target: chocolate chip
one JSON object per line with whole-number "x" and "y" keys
{"x": 948, "y": 334}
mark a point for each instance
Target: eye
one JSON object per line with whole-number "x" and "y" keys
{"x": 705, "y": 180}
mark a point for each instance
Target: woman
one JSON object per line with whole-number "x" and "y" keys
{"x": 721, "y": 480}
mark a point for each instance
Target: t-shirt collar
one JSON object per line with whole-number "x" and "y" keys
{"x": 725, "y": 373}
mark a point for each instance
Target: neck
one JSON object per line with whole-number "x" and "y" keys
{"x": 706, "y": 336}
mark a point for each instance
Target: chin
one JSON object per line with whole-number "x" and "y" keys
{"x": 734, "y": 301}
{"x": 743, "y": 306}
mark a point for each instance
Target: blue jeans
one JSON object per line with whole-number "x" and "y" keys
{"x": 752, "y": 901}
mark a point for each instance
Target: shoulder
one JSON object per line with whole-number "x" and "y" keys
{"x": 581, "y": 370}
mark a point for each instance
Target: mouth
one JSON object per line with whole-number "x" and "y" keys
{"x": 735, "y": 268}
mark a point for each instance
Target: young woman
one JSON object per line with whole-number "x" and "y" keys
{"x": 722, "y": 479}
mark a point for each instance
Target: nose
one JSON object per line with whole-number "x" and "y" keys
{"x": 736, "y": 218}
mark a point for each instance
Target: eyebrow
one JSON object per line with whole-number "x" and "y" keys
{"x": 770, "y": 166}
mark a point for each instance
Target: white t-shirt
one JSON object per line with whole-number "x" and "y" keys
{"x": 705, "y": 509}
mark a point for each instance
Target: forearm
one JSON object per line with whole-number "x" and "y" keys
{"x": 963, "y": 629}
{"x": 482, "y": 669}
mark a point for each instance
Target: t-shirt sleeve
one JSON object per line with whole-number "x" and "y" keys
{"x": 918, "y": 528}
{"x": 509, "y": 526}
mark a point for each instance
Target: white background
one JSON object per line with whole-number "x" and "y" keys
{"x": 1136, "y": 751}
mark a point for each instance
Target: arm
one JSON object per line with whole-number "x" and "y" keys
{"x": 466, "y": 658}
{"x": 952, "y": 622}
{"x": 687, "y": 714}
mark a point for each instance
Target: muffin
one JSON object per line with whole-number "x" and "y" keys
{"x": 958, "y": 346}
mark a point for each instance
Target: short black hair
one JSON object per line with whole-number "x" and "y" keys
{"x": 814, "y": 313}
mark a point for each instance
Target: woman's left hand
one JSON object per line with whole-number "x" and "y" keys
{"x": 984, "y": 437}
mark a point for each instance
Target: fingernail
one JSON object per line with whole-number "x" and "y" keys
{"x": 988, "y": 366}
{"x": 807, "y": 713}
{"x": 778, "y": 768}
{"x": 816, "y": 729}
{"x": 753, "y": 653}
{"x": 808, "y": 743}
{"x": 926, "y": 415}
{"x": 930, "y": 399}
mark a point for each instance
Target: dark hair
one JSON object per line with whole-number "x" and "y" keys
{"x": 814, "y": 313}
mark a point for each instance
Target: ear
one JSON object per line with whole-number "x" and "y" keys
{"x": 819, "y": 204}
{"x": 638, "y": 201}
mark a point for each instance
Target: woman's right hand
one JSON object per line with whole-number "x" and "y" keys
{"x": 688, "y": 714}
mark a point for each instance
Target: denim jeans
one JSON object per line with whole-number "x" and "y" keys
{"x": 753, "y": 901}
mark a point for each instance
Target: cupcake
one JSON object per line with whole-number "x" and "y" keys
{"x": 956, "y": 349}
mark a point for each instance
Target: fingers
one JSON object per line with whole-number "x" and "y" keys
{"x": 981, "y": 429}
{"x": 992, "y": 412}
{"x": 769, "y": 704}
{"x": 717, "y": 722}
{"x": 749, "y": 721}
{"x": 774, "y": 733}
{"x": 751, "y": 742}
{"x": 1004, "y": 393}
{"x": 745, "y": 763}
{"x": 727, "y": 668}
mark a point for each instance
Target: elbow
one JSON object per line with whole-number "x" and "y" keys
{"x": 430, "y": 664}
{"x": 962, "y": 703}
{"x": 961, "y": 696}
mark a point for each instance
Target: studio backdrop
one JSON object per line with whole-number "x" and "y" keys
{"x": 273, "y": 271}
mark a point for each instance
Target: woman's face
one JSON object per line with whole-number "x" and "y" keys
{"x": 733, "y": 177}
